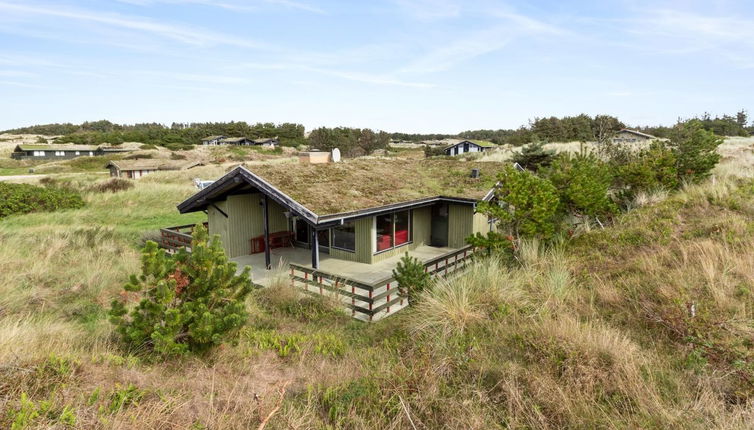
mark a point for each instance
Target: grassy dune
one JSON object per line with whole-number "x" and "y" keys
{"x": 646, "y": 324}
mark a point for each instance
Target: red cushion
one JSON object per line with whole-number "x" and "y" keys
{"x": 401, "y": 237}
{"x": 383, "y": 242}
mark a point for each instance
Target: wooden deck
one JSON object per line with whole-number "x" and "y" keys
{"x": 368, "y": 290}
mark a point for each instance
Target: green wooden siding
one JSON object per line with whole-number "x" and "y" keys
{"x": 217, "y": 223}
{"x": 422, "y": 226}
{"x": 480, "y": 224}
{"x": 244, "y": 222}
{"x": 460, "y": 224}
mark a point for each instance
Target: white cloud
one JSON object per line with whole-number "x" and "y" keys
{"x": 470, "y": 44}
{"x": 237, "y": 6}
{"x": 188, "y": 35}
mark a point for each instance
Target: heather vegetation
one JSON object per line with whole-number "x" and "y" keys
{"x": 24, "y": 198}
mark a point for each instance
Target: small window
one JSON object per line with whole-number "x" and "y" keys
{"x": 344, "y": 236}
{"x": 78, "y": 152}
{"x": 91, "y": 153}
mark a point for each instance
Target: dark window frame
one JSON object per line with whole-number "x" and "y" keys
{"x": 392, "y": 222}
{"x": 332, "y": 237}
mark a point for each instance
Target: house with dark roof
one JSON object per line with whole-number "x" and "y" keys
{"x": 212, "y": 140}
{"x": 62, "y": 151}
{"x": 135, "y": 169}
{"x": 467, "y": 146}
{"x": 342, "y": 227}
{"x": 632, "y": 136}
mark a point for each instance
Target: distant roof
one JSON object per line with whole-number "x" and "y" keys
{"x": 265, "y": 139}
{"x": 327, "y": 190}
{"x": 638, "y": 133}
{"x": 56, "y": 148}
{"x": 233, "y": 139}
{"x": 149, "y": 164}
{"x": 213, "y": 137}
{"x": 482, "y": 143}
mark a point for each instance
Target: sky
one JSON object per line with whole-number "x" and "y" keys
{"x": 397, "y": 65}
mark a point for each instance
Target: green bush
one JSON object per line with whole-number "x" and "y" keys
{"x": 434, "y": 151}
{"x": 695, "y": 149}
{"x": 188, "y": 302}
{"x": 147, "y": 146}
{"x": 24, "y": 198}
{"x": 582, "y": 182}
{"x": 534, "y": 156}
{"x": 411, "y": 277}
{"x": 525, "y": 205}
{"x": 650, "y": 170}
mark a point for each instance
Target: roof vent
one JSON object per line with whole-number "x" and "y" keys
{"x": 475, "y": 173}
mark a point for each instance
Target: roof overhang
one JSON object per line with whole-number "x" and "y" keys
{"x": 240, "y": 177}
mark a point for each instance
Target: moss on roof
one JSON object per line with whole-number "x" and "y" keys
{"x": 57, "y": 147}
{"x": 367, "y": 183}
{"x": 484, "y": 143}
{"x": 152, "y": 164}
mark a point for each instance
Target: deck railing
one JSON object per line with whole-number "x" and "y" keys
{"x": 175, "y": 238}
{"x": 373, "y": 301}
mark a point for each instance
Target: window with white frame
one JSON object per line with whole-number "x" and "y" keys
{"x": 39, "y": 153}
{"x": 59, "y": 153}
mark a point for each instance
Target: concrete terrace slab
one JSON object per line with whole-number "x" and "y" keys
{"x": 361, "y": 272}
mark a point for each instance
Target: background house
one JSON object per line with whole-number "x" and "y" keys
{"x": 135, "y": 169}
{"x": 466, "y": 146}
{"x": 268, "y": 142}
{"x": 61, "y": 151}
{"x": 632, "y": 136}
{"x": 212, "y": 140}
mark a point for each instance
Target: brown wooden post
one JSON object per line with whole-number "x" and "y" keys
{"x": 388, "y": 297}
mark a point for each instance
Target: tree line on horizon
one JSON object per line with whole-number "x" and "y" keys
{"x": 356, "y": 141}
{"x": 176, "y": 136}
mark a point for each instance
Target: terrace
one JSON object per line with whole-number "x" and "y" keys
{"x": 368, "y": 290}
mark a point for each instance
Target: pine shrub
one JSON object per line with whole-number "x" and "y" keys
{"x": 188, "y": 302}
{"x": 411, "y": 277}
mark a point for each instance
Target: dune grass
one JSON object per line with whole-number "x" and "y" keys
{"x": 646, "y": 324}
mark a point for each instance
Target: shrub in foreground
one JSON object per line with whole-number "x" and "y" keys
{"x": 411, "y": 277}
{"x": 188, "y": 302}
{"x": 25, "y": 198}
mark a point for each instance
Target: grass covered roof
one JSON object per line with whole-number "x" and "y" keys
{"x": 367, "y": 183}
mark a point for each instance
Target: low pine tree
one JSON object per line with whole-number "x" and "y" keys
{"x": 188, "y": 302}
{"x": 525, "y": 205}
{"x": 583, "y": 182}
{"x": 534, "y": 156}
{"x": 411, "y": 278}
{"x": 695, "y": 149}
